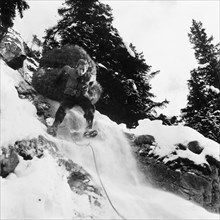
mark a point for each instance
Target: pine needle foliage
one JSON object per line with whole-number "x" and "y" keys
{"x": 203, "y": 108}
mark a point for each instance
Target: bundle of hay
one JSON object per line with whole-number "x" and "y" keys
{"x": 45, "y": 79}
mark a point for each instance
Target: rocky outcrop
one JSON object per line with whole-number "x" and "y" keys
{"x": 43, "y": 107}
{"x": 8, "y": 161}
{"x": 15, "y": 52}
{"x": 27, "y": 149}
{"x": 25, "y": 91}
{"x": 12, "y": 46}
{"x": 13, "y": 49}
{"x": 198, "y": 183}
{"x": 78, "y": 179}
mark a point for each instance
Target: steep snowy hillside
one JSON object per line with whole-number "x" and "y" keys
{"x": 73, "y": 178}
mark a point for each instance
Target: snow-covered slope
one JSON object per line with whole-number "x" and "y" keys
{"x": 167, "y": 139}
{"x": 38, "y": 188}
{"x": 18, "y": 116}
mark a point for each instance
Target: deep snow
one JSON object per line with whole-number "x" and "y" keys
{"x": 168, "y": 137}
{"x": 38, "y": 188}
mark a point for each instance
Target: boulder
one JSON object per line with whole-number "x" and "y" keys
{"x": 8, "y": 161}
{"x": 195, "y": 147}
{"x": 144, "y": 139}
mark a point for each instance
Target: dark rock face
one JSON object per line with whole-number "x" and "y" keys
{"x": 26, "y": 91}
{"x": 29, "y": 148}
{"x": 181, "y": 146}
{"x": 8, "y": 161}
{"x": 198, "y": 183}
{"x": 43, "y": 108}
{"x": 144, "y": 139}
{"x": 17, "y": 62}
{"x": 79, "y": 180}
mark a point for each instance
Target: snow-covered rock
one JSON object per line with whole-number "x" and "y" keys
{"x": 12, "y": 46}
{"x": 180, "y": 160}
{"x": 14, "y": 51}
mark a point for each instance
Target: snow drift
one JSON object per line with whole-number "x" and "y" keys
{"x": 38, "y": 188}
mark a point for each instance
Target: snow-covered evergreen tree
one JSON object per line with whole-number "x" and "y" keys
{"x": 122, "y": 71}
{"x": 203, "y": 108}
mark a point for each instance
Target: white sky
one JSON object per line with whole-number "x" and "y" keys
{"x": 157, "y": 28}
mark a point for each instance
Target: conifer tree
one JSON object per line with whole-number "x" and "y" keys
{"x": 203, "y": 108}
{"x": 122, "y": 71}
{"x": 8, "y": 10}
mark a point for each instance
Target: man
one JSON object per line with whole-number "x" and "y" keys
{"x": 76, "y": 93}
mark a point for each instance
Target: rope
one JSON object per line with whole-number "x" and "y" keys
{"x": 100, "y": 180}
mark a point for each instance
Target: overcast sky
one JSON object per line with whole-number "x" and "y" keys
{"x": 157, "y": 28}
